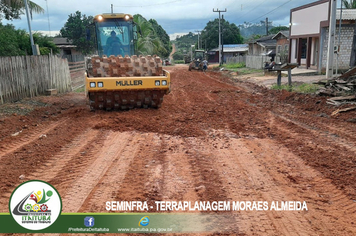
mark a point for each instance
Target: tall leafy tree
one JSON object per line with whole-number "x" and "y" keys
{"x": 164, "y": 37}
{"x": 276, "y": 29}
{"x": 16, "y": 42}
{"x": 210, "y": 34}
{"x": 352, "y": 5}
{"x": 148, "y": 43}
{"x": 12, "y": 9}
{"x": 75, "y": 29}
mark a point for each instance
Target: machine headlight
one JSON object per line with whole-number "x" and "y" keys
{"x": 100, "y": 18}
{"x": 92, "y": 84}
{"x": 100, "y": 84}
{"x": 164, "y": 82}
{"x": 127, "y": 17}
{"x": 157, "y": 82}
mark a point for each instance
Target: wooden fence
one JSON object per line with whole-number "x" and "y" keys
{"x": 29, "y": 76}
{"x": 77, "y": 74}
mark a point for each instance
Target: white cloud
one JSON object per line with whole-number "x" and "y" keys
{"x": 174, "y": 15}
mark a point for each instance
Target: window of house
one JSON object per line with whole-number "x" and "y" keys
{"x": 286, "y": 47}
{"x": 279, "y": 47}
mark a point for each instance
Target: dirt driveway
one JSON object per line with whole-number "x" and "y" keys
{"x": 212, "y": 140}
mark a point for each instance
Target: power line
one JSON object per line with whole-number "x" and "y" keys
{"x": 253, "y": 8}
{"x": 271, "y": 11}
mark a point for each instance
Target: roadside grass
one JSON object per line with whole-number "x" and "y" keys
{"x": 240, "y": 68}
{"x": 178, "y": 61}
{"x": 299, "y": 88}
{"x": 80, "y": 90}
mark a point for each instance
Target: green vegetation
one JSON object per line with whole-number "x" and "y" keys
{"x": 12, "y": 9}
{"x": 80, "y": 90}
{"x": 179, "y": 61}
{"x": 253, "y": 31}
{"x": 164, "y": 37}
{"x": 275, "y": 30}
{"x": 234, "y": 65}
{"x": 15, "y": 42}
{"x": 75, "y": 29}
{"x": 183, "y": 45}
{"x": 150, "y": 42}
{"x": 302, "y": 88}
{"x": 210, "y": 34}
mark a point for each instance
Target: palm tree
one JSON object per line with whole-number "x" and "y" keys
{"x": 148, "y": 42}
{"x": 352, "y": 5}
{"x": 349, "y": 4}
{"x": 13, "y": 8}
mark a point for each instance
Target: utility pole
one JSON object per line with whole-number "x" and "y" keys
{"x": 330, "y": 55}
{"x": 33, "y": 46}
{"x": 222, "y": 43}
{"x": 49, "y": 25}
{"x": 266, "y": 25}
{"x": 198, "y": 38}
{"x": 217, "y": 10}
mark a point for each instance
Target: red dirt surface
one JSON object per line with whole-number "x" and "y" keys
{"x": 213, "y": 139}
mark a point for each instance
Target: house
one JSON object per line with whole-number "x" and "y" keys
{"x": 282, "y": 47}
{"x": 229, "y": 50}
{"x": 67, "y": 49}
{"x": 309, "y": 29}
{"x": 263, "y": 46}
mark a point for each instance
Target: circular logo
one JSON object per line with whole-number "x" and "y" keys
{"x": 35, "y": 205}
{"x": 144, "y": 221}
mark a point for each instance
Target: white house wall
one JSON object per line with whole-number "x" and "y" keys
{"x": 311, "y": 17}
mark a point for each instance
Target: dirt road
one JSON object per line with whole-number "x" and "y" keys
{"x": 212, "y": 140}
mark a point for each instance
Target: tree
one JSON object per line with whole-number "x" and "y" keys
{"x": 352, "y": 5}
{"x": 349, "y": 4}
{"x": 12, "y": 9}
{"x": 210, "y": 34}
{"x": 275, "y": 30}
{"x": 164, "y": 37}
{"x": 17, "y": 42}
{"x": 148, "y": 43}
{"x": 75, "y": 29}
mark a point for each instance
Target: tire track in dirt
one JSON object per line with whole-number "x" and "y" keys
{"x": 313, "y": 146}
{"x": 261, "y": 170}
{"x": 106, "y": 187}
{"x": 28, "y": 138}
{"x": 76, "y": 194}
{"x": 330, "y": 137}
{"x": 34, "y": 155}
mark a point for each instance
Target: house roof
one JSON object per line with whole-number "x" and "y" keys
{"x": 347, "y": 14}
{"x": 267, "y": 43}
{"x": 62, "y": 41}
{"x": 233, "y": 48}
{"x": 263, "y": 38}
{"x": 284, "y": 33}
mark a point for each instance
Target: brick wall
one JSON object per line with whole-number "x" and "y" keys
{"x": 345, "y": 47}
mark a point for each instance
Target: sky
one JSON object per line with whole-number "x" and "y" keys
{"x": 177, "y": 17}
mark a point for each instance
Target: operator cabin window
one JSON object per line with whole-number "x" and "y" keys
{"x": 304, "y": 48}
